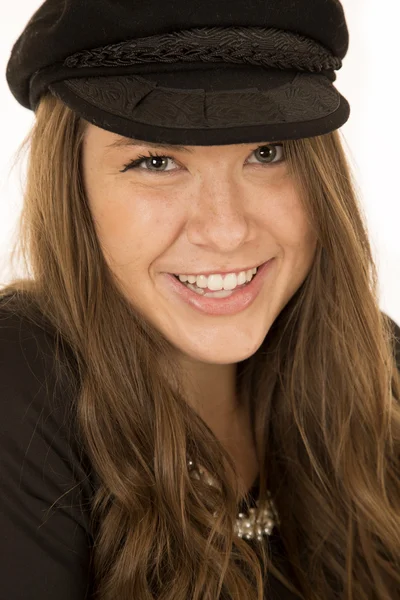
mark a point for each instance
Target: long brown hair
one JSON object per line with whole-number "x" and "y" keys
{"x": 323, "y": 389}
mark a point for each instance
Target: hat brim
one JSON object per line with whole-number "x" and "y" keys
{"x": 208, "y": 106}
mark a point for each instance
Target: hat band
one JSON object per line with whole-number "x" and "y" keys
{"x": 266, "y": 47}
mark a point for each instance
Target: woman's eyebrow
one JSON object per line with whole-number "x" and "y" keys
{"x": 127, "y": 142}
{"x": 131, "y": 142}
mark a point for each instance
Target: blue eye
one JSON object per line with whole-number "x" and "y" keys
{"x": 158, "y": 163}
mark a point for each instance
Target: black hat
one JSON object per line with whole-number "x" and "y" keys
{"x": 193, "y": 72}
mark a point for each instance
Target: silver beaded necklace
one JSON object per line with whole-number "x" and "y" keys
{"x": 259, "y": 522}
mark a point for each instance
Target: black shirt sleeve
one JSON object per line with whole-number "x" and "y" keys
{"x": 45, "y": 491}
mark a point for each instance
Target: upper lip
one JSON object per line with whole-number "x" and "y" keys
{"x": 221, "y": 271}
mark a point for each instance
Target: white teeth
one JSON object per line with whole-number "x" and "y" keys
{"x": 241, "y": 278}
{"x": 201, "y": 281}
{"x": 229, "y": 282}
{"x": 218, "y": 282}
{"x": 194, "y": 288}
{"x": 219, "y": 294}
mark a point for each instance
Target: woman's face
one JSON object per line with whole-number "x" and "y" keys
{"x": 199, "y": 210}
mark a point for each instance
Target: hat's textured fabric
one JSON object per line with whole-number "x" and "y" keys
{"x": 253, "y": 45}
{"x": 193, "y": 73}
{"x": 191, "y": 109}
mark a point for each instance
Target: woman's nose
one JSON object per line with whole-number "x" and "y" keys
{"x": 220, "y": 216}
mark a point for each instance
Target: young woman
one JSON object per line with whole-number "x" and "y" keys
{"x": 199, "y": 394}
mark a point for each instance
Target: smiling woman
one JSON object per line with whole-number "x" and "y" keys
{"x": 219, "y": 210}
{"x": 199, "y": 392}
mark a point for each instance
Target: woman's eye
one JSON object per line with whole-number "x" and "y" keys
{"x": 153, "y": 162}
{"x": 266, "y": 154}
{"x": 269, "y": 153}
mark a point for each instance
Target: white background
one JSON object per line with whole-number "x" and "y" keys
{"x": 369, "y": 79}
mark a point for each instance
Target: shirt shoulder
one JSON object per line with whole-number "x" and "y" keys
{"x": 35, "y": 380}
{"x": 45, "y": 477}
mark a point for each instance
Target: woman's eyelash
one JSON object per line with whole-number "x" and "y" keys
{"x": 142, "y": 157}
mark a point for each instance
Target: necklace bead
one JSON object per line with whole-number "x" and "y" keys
{"x": 260, "y": 520}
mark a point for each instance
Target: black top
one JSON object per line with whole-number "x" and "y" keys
{"x": 45, "y": 480}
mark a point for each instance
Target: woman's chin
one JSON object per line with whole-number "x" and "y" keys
{"x": 222, "y": 354}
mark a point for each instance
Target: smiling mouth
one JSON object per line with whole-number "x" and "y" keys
{"x": 206, "y": 290}
{"x": 220, "y": 302}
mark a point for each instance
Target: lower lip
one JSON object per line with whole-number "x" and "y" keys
{"x": 236, "y": 302}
